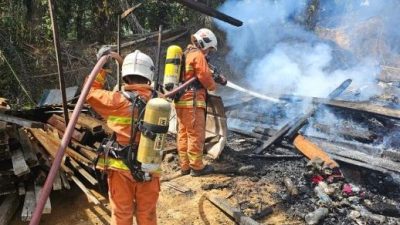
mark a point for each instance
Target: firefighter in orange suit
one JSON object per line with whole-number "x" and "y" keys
{"x": 128, "y": 196}
{"x": 190, "y": 107}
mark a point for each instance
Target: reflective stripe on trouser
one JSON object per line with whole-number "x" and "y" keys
{"x": 129, "y": 198}
{"x": 189, "y": 104}
{"x": 191, "y": 134}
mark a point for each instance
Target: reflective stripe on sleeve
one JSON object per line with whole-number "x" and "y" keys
{"x": 119, "y": 120}
{"x": 188, "y": 68}
{"x": 112, "y": 163}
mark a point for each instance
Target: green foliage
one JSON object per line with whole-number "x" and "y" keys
{"x": 26, "y": 37}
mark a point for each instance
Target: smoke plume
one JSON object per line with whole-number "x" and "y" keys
{"x": 278, "y": 55}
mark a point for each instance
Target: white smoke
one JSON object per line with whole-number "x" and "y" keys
{"x": 279, "y": 56}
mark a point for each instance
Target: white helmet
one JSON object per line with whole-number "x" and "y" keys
{"x": 206, "y": 39}
{"x": 138, "y": 63}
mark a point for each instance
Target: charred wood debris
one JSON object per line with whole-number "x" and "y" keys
{"x": 362, "y": 140}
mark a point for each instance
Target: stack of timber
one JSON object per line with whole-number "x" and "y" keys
{"x": 27, "y": 148}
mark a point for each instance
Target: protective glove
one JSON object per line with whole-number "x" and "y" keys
{"x": 221, "y": 79}
{"x": 104, "y": 50}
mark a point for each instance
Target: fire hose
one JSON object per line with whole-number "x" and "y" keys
{"x": 37, "y": 214}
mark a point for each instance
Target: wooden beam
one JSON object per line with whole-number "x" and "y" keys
{"x": 312, "y": 151}
{"x": 88, "y": 194}
{"x": 234, "y": 213}
{"x": 64, "y": 180}
{"x": 346, "y": 132}
{"x": 27, "y": 148}
{"x": 50, "y": 146}
{"x": 393, "y": 155}
{"x": 60, "y": 125}
{"x": 276, "y": 137}
{"x": 275, "y": 157}
{"x": 19, "y": 164}
{"x": 203, "y": 8}
{"x": 61, "y": 118}
{"x": 57, "y": 184}
{"x": 249, "y": 134}
{"x": 47, "y": 206}
{"x": 21, "y": 188}
{"x": 366, "y": 107}
{"x": 177, "y": 187}
{"x": 83, "y": 172}
{"x": 29, "y": 205}
{"x": 85, "y": 150}
{"x": 376, "y": 161}
{"x": 92, "y": 124}
{"x": 8, "y": 208}
{"x": 361, "y": 107}
{"x": 358, "y": 163}
{"x": 21, "y": 121}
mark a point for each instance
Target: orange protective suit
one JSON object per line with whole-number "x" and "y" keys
{"x": 190, "y": 111}
{"x": 127, "y": 196}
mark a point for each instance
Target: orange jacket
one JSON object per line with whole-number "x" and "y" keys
{"x": 196, "y": 65}
{"x": 114, "y": 107}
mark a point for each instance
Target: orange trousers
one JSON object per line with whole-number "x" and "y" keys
{"x": 191, "y": 134}
{"x": 128, "y": 198}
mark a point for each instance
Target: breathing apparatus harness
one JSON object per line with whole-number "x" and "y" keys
{"x": 128, "y": 154}
{"x": 194, "y": 86}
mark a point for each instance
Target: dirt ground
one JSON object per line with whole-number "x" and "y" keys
{"x": 251, "y": 190}
{"x": 174, "y": 207}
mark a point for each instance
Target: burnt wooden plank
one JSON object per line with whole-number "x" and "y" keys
{"x": 376, "y": 161}
{"x": 275, "y": 157}
{"x": 8, "y": 207}
{"x": 346, "y": 132}
{"x": 358, "y": 163}
{"x": 234, "y": 213}
{"x": 203, "y": 8}
{"x": 361, "y": 107}
{"x": 393, "y": 155}
{"x": 276, "y": 137}
{"x": 20, "y": 121}
{"x": 249, "y": 134}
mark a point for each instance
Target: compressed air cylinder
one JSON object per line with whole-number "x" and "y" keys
{"x": 172, "y": 69}
{"x": 149, "y": 151}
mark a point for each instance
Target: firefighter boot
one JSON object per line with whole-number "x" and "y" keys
{"x": 206, "y": 170}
